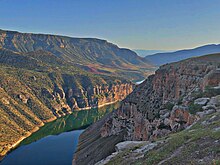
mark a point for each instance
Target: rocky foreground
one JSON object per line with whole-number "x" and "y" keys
{"x": 174, "y": 116}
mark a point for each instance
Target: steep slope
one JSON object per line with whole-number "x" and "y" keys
{"x": 91, "y": 54}
{"x": 164, "y": 58}
{"x": 149, "y": 113}
{"x": 38, "y": 87}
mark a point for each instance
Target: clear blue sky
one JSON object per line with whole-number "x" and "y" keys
{"x": 135, "y": 24}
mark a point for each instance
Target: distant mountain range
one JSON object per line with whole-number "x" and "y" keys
{"x": 168, "y": 57}
{"x": 143, "y": 53}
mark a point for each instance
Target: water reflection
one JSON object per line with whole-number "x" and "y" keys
{"x": 76, "y": 120}
{"x": 57, "y": 149}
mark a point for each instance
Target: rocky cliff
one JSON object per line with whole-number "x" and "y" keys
{"x": 159, "y": 106}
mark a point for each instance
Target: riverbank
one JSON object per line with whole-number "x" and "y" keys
{"x": 99, "y": 106}
{"x": 16, "y": 144}
{"x": 74, "y": 121}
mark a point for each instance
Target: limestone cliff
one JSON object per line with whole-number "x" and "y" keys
{"x": 155, "y": 108}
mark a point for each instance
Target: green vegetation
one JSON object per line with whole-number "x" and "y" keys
{"x": 208, "y": 92}
{"x": 193, "y": 108}
{"x": 169, "y": 106}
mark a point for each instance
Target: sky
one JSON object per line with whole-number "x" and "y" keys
{"x": 134, "y": 24}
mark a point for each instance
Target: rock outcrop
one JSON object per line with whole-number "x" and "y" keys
{"x": 198, "y": 144}
{"x": 149, "y": 111}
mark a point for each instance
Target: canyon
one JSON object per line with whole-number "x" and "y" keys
{"x": 162, "y": 105}
{"x": 45, "y": 77}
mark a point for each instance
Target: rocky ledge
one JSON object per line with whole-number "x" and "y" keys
{"x": 177, "y": 96}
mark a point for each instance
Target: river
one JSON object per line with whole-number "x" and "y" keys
{"x": 139, "y": 82}
{"x": 55, "y": 142}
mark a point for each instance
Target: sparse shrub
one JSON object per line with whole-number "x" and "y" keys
{"x": 209, "y": 91}
{"x": 193, "y": 108}
{"x": 169, "y": 106}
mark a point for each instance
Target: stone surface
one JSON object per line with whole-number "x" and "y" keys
{"x": 126, "y": 145}
{"x": 206, "y": 112}
{"x": 201, "y": 101}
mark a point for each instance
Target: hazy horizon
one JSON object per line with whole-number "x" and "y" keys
{"x": 147, "y": 25}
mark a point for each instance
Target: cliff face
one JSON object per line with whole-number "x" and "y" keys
{"x": 68, "y": 99}
{"x": 149, "y": 111}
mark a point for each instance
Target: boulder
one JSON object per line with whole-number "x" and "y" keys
{"x": 204, "y": 113}
{"x": 214, "y": 101}
{"x": 165, "y": 115}
{"x": 181, "y": 117}
{"x": 201, "y": 101}
{"x": 164, "y": 111}
{"x": 207, "y": 107}
{"x": 126, "y": 145}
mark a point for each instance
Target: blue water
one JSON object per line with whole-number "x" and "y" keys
{"x": 50, "y": 150}
{"x": 139, "y": 82}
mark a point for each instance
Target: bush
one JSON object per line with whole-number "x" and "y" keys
{"x": 193, "y": 108}
{"x": 209, "y": 91}
{"x": 169, "y": 106}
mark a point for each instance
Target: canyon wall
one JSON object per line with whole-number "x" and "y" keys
{"x": 154, "y": 109}
{"x": 44, "y": 77}
{"x": 29, "y": 99}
